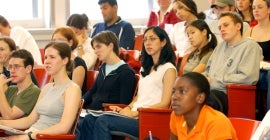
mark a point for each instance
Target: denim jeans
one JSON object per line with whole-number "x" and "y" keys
{"x": 264, "y": 84}
{"x": 97, "y": 128}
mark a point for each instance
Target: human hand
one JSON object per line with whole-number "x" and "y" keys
{"x": 115, "y": 108}
{"x": 18, "y": 137}
{"x": 4, "y": 80}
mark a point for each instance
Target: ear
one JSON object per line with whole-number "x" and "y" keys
{"x": 29, "y": 68}
{"x": 65, "y": 60}
{"x": 163, "y": 43}
{"x": 70, "y": 42}
{"x": 204, "y": 32}
{"x": 200, "y": 98}
{"x": 110, "y": 46}
{"x": 238, "y": 26}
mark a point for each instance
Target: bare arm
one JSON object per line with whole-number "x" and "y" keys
{"x": 78, "y": 75}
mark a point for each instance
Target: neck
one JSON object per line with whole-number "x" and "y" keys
{"x": 1, "y": 68}
{"x": 246, "y": 15}
{"x": 204, "y": 43}
{"x": 235, "y": 40}
{"x": 111, "y": 22}
{"x": 112, "y": 59}
{"x": 60, "y": 77}
{"x": 24, "y": 84}
{"x": 192, "y": 118}
{"x": 264, "y": 23}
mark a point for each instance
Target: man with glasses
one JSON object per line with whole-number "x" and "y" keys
{"x": 18, "y": 100}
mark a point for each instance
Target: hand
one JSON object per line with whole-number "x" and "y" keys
{"x": 115, "y": 108}
{"x": 4, "y": 80}
{"x": 18, "y": 137}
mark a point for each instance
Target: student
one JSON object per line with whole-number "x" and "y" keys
{"x": 192, "y": 118}
{"x": 164, "y": 16}
{"x": 79, "y": 24}
{"x": 158, "y": 74}
{"x": 203, "y": 41}
{"x": 186, "y": 10}
{"x": 123, "y": 29}
{"x": 235, "y": 60}
{"x": 79, "y": 73}
{"x": 210, "y": 14}
{"x": 244, "y": 8}
{"x": 18, "y": 100}
{"x": 22, "y": 38}
{"x": 58, "y": 103}
{"x": 116, "y": 79}
{"x": 259, "y": 33}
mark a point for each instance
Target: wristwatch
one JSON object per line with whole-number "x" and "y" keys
{"x": 29, "y": 135}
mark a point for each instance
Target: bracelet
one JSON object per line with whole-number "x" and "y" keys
{"x": 29, "y": 135}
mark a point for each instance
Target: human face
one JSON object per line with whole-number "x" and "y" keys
{"x": 152, "y": 43}
{"x": 211, "y": 2}
{"x": 108, "y": 11}
{"x": 243, "y": 5}
{"x": 102, "y": 50}
{"x": 185, "y": 97}
{"x": 223, "y": 9}
{"x": 164, "y": 3}
{"x": 60, "y": 37}
{"x": 181, "y": 10}
{"x": 4, "y": 30}
{"x": 77, "y": 31}
{"x": 196, "y": 37}
{"x": 4, "y": 52}
{"x": 228, "y": 29}
{"x": 260, "y": 10}
{"x": 17, "y": 70}
{"x": 53, "y": 62}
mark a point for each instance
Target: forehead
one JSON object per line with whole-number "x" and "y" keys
{"x": 191, "y": 28}
{"x": 15, "y": 60}
{"x": 3, "y": 44}
{"x": 150, "y": 33}
{"x": 182, "y": 82}
{"x": 51, "y": 51}
{"x": 225, "y": 19}
{"x": 261, "y": 2}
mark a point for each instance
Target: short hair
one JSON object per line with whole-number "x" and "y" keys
{"x": 107, "y": 37}
{"x": 78, "y": 21}
{"x": 111, "y": 2}
{"x": 25, "y": 55}
{"x": 236, "y": 18}
{"x": 4, "y": 22}
{"x": 64, "y": 51}
{"x": 11, "y": 44}
{"x": 200, "y": 82}
{"x": 69, "y": 34}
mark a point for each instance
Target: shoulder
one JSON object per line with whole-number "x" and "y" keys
{"x": 125, "y": 68}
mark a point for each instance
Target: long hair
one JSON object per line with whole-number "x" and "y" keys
{"x": 166, "y": 55}
{"x": 212, "y": 40}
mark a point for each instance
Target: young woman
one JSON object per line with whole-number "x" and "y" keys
{"x": 203, "y": 41}
{"x": 260, "y": 33}
{"x": 79, "y": 24}
{"x": 79, "y": 74}
{"x": 158, "y": 74}
{"x": 116, "y": 79}
{"x": 192, "y": 118}
{"x": 186, "y": 10}
{"x": 58, "y": 103}
{"x": 244, "y": 8}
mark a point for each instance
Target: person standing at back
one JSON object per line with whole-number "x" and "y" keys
{"x": 79, "y": 24}
{"x": 164, "y": 16}
{"x": 18, "y": 100}
{"x": 123, "y": 29}
{"x": 22, "y": 38}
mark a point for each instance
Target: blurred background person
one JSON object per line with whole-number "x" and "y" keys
{"x": 244, "y": 8}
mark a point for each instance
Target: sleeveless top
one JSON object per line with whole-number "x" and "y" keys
{"x": 150, "y": 87}
{"x": 265, "y": 48}
{"x": 51, "y": 106}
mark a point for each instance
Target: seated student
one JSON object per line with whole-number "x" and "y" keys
{"x": 58, "y": 103}
{"x": 79, "y": 24}
{"x": 18, "y": 100}
{"x": 116, "y": 79}
{"x": 163, "y": 16}
{"x": 192, "y": 118}
{"x": 203, "y": 41}
{"x": 22, "y": 38}
{"x": 235, "y": 60}
{"x": 158, "y": 74}
{"x": 79, "y": 73}
{"x": 112, "y": 22}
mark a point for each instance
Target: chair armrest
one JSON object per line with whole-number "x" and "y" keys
{"x": 240, "y": 86}
{"x": 154, "y": 110}
{"x": 107, "y": 105}
{"x": 55, "y": 136}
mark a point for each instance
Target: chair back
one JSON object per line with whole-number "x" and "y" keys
{"x": 41, "y": 76}
{"x": 91, "y": 78}
{"x": 138, "y": 43}
{"x": 244, "y": 127}
{"x": 132, "y": 58}
{"x": 182, "y": 62}
{"x": 42, "y": 54}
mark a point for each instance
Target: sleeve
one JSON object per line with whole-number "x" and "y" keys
{"x": 205, "y": 58}
{"x": 151, "y": 19}
{"x": 173, "y": 124}
{"x": 28, "y": 99}
{"x": 31, "y": 46}
{"x": 89, "y": 56}
{"x": 127, "y": 37}
{"x": 248, "y": 68}
{"x": 127, "y": 79}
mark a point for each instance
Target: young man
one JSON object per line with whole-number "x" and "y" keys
{"x": 219, "y": 7}
{"x": 18, "y": 100}
{"x": 235, "y": 60}
{"x": 123, "y": 29}
{"x": 22, "y": 38}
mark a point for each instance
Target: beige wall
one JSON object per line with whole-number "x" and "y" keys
{"x": 202, "y": 5}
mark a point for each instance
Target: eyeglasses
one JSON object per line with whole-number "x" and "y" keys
{"x": 13, "y": 67}
{"x": 150, "y": 38}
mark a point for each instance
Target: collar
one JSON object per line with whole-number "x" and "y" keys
{"x": 119, "y": 20}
